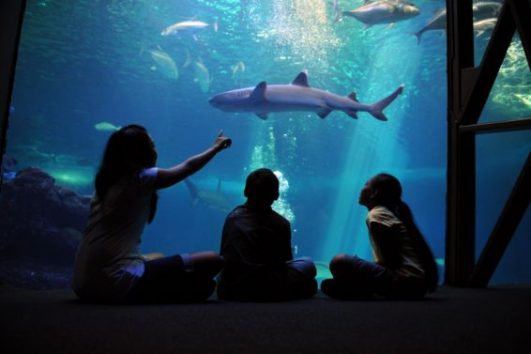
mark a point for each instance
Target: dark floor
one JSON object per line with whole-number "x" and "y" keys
{"x": 495, "y": 320}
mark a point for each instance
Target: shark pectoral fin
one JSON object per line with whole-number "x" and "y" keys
{"x": 262, "y": 115}
{"x": 301, "y": 80}
{"x": 353, "y": 96}
{"x": 258, "y": 94}
{"x": 379, "y": 115}
{"x": 353, "y": 114}
{"x": 324, "y": 112}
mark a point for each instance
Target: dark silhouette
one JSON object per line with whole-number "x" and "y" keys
{"x": 108, "y": 264}
{"x": 404, "y": 266}
{"x": 256, "y": 247}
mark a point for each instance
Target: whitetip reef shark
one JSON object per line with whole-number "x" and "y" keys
{"x": 297, "y": 96}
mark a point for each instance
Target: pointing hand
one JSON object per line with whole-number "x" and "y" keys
{"x": 222, "y": 142}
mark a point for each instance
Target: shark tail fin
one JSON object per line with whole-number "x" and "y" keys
{"x": 376, "y": 109}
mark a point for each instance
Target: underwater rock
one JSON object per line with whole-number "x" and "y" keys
{"x": 40, "y": 229}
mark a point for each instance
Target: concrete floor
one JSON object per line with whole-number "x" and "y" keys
{"x": 494, "y": 320}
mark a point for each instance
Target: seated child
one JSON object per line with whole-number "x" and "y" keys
{"x": 404, "y": 266}
{"x": 256, "y": 247}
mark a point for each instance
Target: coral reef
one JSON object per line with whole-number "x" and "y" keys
{"x": 40, "y": 228}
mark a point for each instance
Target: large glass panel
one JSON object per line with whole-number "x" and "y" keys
{"x": 500, "y": 158}
{"x": 514, "y": 265}
{"x": 88, "y": 67}
{"x": 510, "y": 97}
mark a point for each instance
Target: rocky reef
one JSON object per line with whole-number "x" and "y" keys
{"x": 41, "y": 224}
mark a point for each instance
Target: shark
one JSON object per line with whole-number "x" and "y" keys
{"x": 481, "y": 10}
{"x": 216, "y": 200}
{"x": 297, "y": 96}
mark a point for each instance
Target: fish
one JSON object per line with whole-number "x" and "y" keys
{"x": 187, "y": 26}
{"x": 202, "y": 76}
{"x": 215, "y": 200}
{"x": 485, "y": 9}
{"x": 165, "y": 63}
{"x": 380, "y": 12}
{"x": 106, "y": 127}
{"x": 480, "y": 10}
{"x": 297, "y": 96}
{"x": 437, "y": 22}
{"x": 483, "y": 26}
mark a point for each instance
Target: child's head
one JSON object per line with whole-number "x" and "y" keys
{"x": 132, "y": 148}
{"x": 128, "y": 150}
{"x": 261, "y": 187}
{"x": 382, "y": 189}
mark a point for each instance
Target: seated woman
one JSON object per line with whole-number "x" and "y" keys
{"x": 108, "y": 265}
{"x": 404, "y": 266}
{"x": 256, "y": 247}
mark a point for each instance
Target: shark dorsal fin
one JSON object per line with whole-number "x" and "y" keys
{"x": 258, "y": 93}
{"x": 353, "y": 96}
{"x": 301, "y": 80}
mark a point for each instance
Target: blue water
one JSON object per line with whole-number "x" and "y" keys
{"x": 86, "y": 62}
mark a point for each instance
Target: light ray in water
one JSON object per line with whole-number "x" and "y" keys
{"x": 374, "y": 148}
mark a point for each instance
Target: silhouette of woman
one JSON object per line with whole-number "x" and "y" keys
{"x": 108, "y": 264}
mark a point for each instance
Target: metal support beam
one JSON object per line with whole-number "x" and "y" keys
{"x": 521, "y": 10}
{"x": 490, "y": 65}
{"x": 469, "y": 88}
{"x": 495, "y": 127}
{"x": 461, "y": 174}
{"x": 505, "y": 228}
{"x": 11, "y": 14}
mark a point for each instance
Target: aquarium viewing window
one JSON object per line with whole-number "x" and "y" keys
{"x": 86, "y": 68}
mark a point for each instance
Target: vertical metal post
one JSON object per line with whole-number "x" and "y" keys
{"x": 11, "y": 13}
{"x": 461, "y": 174}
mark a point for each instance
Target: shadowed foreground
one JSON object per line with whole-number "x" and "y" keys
{"x": 495, "y": 320}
